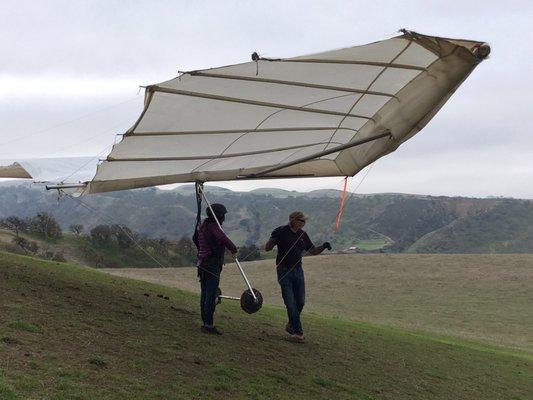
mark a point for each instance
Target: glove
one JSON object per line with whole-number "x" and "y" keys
{"x": 327, "y": 245}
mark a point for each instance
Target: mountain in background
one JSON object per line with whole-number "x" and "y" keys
{"x": 378, "y": 222}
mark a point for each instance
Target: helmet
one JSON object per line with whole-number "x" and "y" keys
{"x": 219, "y": 210}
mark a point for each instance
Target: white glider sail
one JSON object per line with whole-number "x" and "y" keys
{"x": 54, "y": 170}
{"x": 325, "y": 114}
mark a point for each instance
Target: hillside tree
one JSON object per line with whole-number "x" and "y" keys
{"x": 102, "y": 235}
{"x": 45, "y": 225}
{"x": 14, "y": 224}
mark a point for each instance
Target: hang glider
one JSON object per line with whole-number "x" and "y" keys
{"x": 325, "y": 114}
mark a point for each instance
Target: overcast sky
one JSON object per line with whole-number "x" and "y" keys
{"x": 70, "y": 73}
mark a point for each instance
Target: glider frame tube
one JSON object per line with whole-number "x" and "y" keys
{"x": 66, "y": 186}
{"x": 314, "y": 156}
{"x": 200, "y": 188}
{"x": 229, "y": 297}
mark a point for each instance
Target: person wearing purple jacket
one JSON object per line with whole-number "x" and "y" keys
{"x": 211, "y": 243}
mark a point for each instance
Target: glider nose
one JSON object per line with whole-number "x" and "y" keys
{"x": 482, "y": 51}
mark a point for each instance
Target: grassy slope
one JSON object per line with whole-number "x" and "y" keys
{"x": 481, "y": 297}
{"x": 74, "y": 333}
{"x": 73, "y": 248}
{"x": 476, "y": 233}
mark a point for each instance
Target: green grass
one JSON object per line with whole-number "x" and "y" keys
{"x": 372, "y": 244}
{"x": 105, "y": 337}
{"x": 25, "y": 326}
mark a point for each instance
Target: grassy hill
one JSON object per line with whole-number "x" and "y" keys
{"x": 479, "y": 297}
{"x": 81, "y": 250}
{"x": 74, "y": 333}
{"x": 477, "y": 233}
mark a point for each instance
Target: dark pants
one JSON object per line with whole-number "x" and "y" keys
{"x": 209, "y": 280}
{"x": 292, "y": 284}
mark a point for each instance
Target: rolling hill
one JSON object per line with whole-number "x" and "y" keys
{"x": 380, "y": 222}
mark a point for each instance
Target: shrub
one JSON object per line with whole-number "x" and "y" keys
{"x": 60, "y": 256}
{"x": 102, "y": 235}
{"x": 76, "y": 229}
{"x": 26, "y": 245}
{"x": 123, "y": 235}
{"x": 93, "y": 256}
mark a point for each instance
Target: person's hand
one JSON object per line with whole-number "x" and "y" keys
{"x": 327, "y": 245}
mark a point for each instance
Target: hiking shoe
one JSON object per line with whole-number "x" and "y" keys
{"x": 210, "y": 331}
{"x": 297, "y": 338}
{"x": 288, "y": 329}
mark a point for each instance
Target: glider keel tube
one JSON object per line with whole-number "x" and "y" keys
{"x": 66, "y": 186}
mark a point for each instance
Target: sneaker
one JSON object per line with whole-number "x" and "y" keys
{"x": 289, "y": 329}
{"x": 210, "y": 331}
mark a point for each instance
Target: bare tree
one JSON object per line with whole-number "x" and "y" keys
{"x": 46, "y": 225}
{"x": 14, "y": 224}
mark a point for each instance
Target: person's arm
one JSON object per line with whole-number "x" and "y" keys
{"x": 272, "y": 241}
{"x": 222, "y": 238}
{"x": 270, "y": 244}
{"x": 315, "y": 250}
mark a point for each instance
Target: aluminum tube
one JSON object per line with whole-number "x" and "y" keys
{"x": 229, "y": 297}
{"x": 66, "y": 186}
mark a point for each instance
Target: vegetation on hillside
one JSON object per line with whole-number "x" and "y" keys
{"x": 507, "y": 228}
{"x": 399, "y": 222}
{"x": 111, "y": 246}
{"x": 103, "y": 246}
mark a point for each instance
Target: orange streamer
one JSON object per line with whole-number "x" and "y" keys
{"x": 342, "y": 204}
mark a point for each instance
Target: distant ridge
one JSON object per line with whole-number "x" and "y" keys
{"x": 189, "y": 189}
{"x": 385, "y": 222}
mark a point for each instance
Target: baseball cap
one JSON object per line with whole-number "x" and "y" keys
{"x": 297, "y": 215}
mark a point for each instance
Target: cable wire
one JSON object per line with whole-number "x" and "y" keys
{"x": 17, "y": 139}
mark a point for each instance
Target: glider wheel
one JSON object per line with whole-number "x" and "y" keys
{"x": 248, "y": 304}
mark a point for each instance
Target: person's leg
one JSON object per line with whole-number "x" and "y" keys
{"x": 299, "y": 296}
{"x": 212, "y": 281}
{"x": 202, "y": 296}
{"x": 285, "y": 281}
